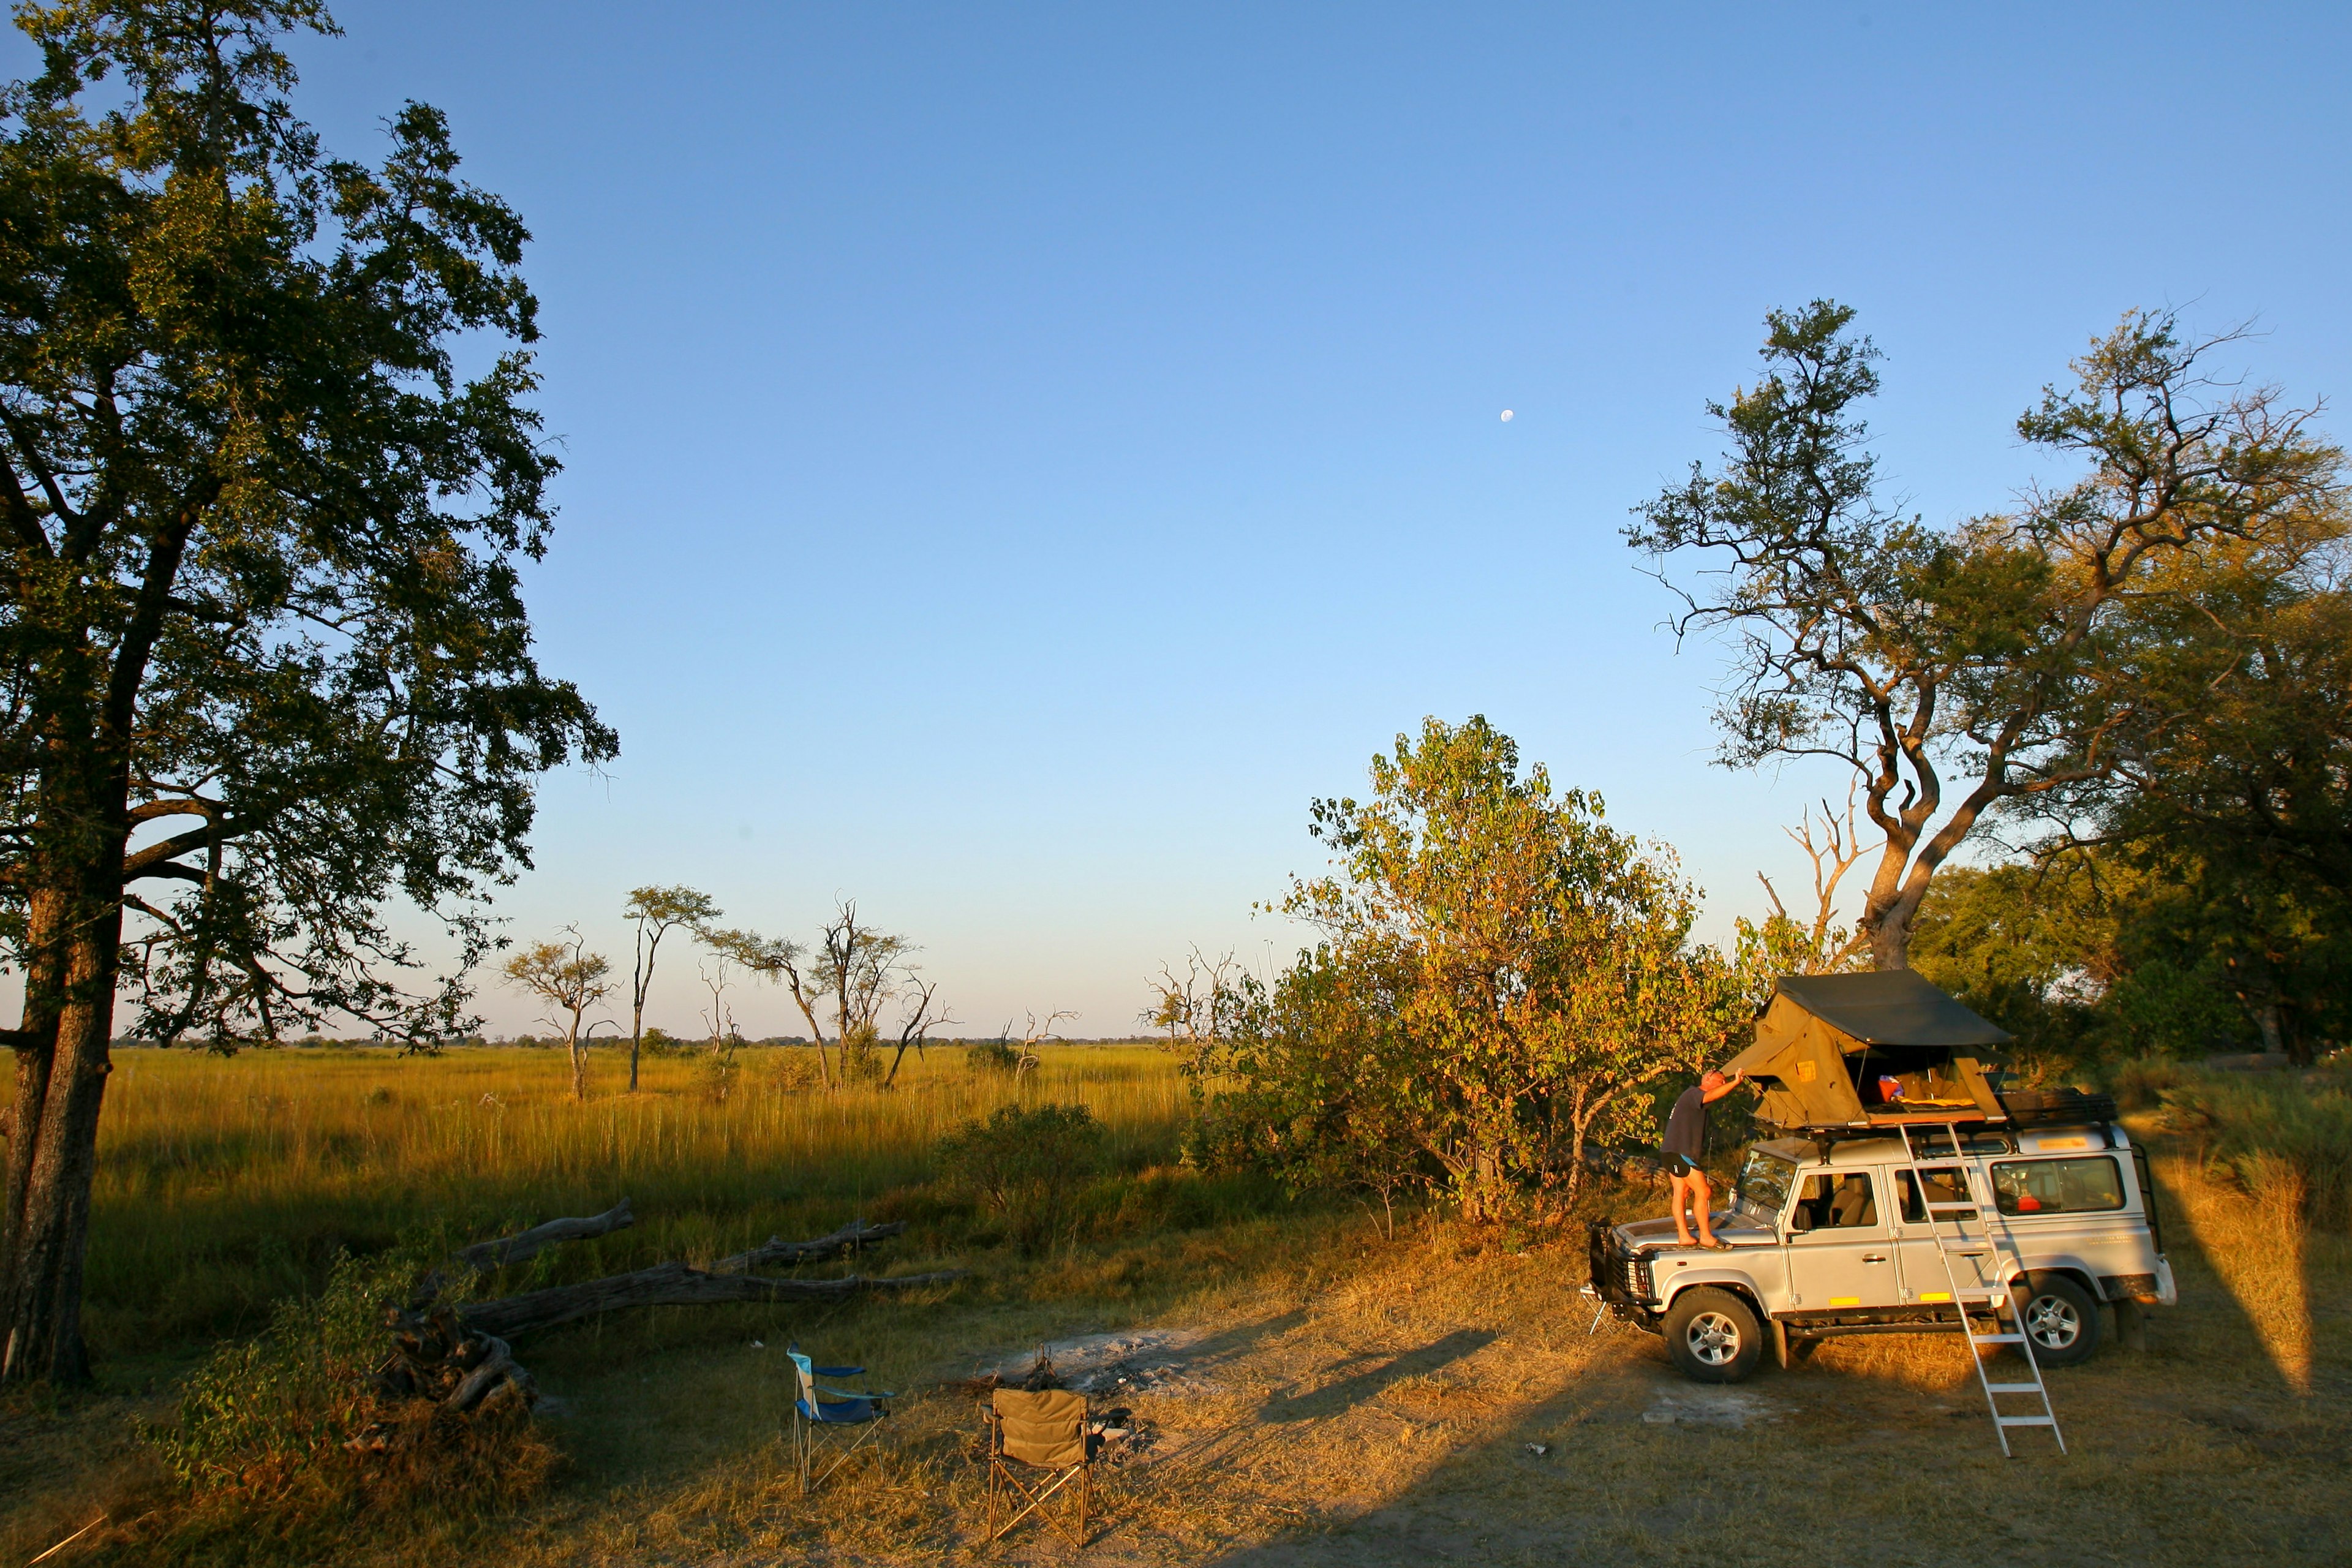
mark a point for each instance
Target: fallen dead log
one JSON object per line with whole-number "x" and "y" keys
{"x": 775, "y": 1252}
{"x": 488, "y": 1257}
{"x": 457, "y": 1356}
{"x": 667, "y": 1285}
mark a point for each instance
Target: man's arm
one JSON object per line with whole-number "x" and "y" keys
{"x": 1725, "y": 1087}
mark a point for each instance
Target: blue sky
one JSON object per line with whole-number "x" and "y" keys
{"x": 1017, "y": 455}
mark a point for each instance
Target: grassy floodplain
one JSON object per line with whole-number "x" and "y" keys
{"x": 227, "y": 1184}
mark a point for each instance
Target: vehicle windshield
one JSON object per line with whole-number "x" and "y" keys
{"x": 1763, "y": 1185}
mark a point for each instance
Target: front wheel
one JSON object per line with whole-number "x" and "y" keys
{"x": 1712, "y": 1336}
{"x": 2059, "y": 1317}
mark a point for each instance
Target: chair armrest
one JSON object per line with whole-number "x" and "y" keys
{"x": 836, "y": 1370}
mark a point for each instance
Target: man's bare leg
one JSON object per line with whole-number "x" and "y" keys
{"x": 1702, "y": 1200}
{"x": 1680, "y": 1189}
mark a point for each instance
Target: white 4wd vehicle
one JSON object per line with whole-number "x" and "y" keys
{"x": 1834, "y": 1238}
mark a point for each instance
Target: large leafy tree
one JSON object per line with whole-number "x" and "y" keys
{"x": 1501, "y": 972}
{"x": 1960, "y": 668}
{"x": 264, "y": 663}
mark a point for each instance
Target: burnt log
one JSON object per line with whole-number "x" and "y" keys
{"x": 776, "y": 1252}
{"x": 666, "y": 1284}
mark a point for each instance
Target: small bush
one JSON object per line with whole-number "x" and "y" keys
{"x": 284, "y": 1442}
{"x": 861, "y": 1057}
{"x": 992, "y": 1059}
{"x": 660, "y": 1042}
{"x": 795, "y": 1072}
{"x": 1028, "y": 1164}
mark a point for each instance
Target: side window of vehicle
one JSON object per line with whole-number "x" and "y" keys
{"x": 1835, "y": 1201}
{"x": 2057, "y": 1186}
{"x": 1945, "y": 1184}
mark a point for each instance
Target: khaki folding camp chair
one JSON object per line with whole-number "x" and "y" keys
{"x": 1037, "y": 1447}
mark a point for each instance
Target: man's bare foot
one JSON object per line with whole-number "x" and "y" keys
{"x": 1712, "y": 1245}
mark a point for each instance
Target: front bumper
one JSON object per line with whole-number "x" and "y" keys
{"x": 1618, "y": 1277}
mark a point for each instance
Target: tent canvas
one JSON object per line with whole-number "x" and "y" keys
{"x": 1827, "y": 1046}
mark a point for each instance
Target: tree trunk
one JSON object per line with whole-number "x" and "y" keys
{"x": 578, "y": 1065}
{"x": 53, "y": 1152}
{"x": 1890, "y": 936}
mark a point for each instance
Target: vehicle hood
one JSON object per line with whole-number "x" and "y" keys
{"x": 1658, "y": 1234}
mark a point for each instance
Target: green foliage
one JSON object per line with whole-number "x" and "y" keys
{"x": 230, "y": 365}
{"x": 660, "y": 1042}
{"x": 1027, "y": 1163}
{"x": 993, "y": 1058}
{"x": 860, "y": 1055}
{"x": 1500, "y": 972}
{"x": 1995, "y": 660}
{"x": 281, "y": 1441}
{"x": 2114, "y": 953}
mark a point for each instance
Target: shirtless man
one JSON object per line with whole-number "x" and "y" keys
{"x": 1686, "y": 1141}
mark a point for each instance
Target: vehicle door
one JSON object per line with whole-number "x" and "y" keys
{"x": 1917, "y": 1253}
{"x": 1840, "y": 1249}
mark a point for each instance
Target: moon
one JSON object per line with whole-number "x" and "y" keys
{"x": 1507, "y": 417}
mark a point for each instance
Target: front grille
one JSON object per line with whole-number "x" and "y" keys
{"x": 1633, "y": 1274}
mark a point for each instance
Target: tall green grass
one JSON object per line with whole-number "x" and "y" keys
{"x": 227, "y": 1184}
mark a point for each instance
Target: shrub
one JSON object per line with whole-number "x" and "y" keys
{"x": 1027, "y": 1164}
{"x": 284, "y": 1441}
{"x": 861, "y": 1057}
{"x": 992, "y": 1059}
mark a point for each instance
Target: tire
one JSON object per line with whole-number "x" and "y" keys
{"x": 1712, "y": 1336}
{"x": 2063, "y": 1319}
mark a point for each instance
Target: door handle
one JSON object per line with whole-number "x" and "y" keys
{"x": 1873, "y": 1257}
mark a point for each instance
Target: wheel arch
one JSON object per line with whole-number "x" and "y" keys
{"x": 2072, "y": 1269}
{"x": 1740, "y": 1285}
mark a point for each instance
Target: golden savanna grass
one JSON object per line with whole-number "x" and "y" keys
{"x": 1351, "y": 1400}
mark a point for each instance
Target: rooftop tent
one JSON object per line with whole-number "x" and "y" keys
{"x": 1869, "y": 1050}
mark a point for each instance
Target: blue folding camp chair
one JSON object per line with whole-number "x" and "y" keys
{"x": 829, "y": 1418}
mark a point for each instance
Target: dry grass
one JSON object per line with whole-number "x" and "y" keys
{"x": 1359, "y": 1400}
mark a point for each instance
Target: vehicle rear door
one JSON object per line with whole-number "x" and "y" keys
{"x": 1920, "y": 1258}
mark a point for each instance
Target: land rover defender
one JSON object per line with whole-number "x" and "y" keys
{"x": 1834, "y": 1235}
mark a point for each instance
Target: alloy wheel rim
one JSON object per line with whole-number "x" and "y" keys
{"x": 1713, "y": 1338}
{"x": 2052, "y": 1323}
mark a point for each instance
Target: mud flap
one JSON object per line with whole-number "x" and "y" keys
{"x": 1779, "y": 1343}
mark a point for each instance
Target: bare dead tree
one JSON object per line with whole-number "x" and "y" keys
{"x": 1194, "y": 1008}
{"x": 1036, "y": 1035}
{"x": 923, "y": 1014}
{"x": 1828, "y": 948}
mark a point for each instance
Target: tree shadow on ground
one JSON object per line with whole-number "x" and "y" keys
{"x": 1349, "y": 1392}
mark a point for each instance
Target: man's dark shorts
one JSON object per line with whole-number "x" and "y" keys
{"x": 1680, "y": 1165}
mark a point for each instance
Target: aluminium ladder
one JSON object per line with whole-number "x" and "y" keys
{"x": 1995, "y": 1296}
